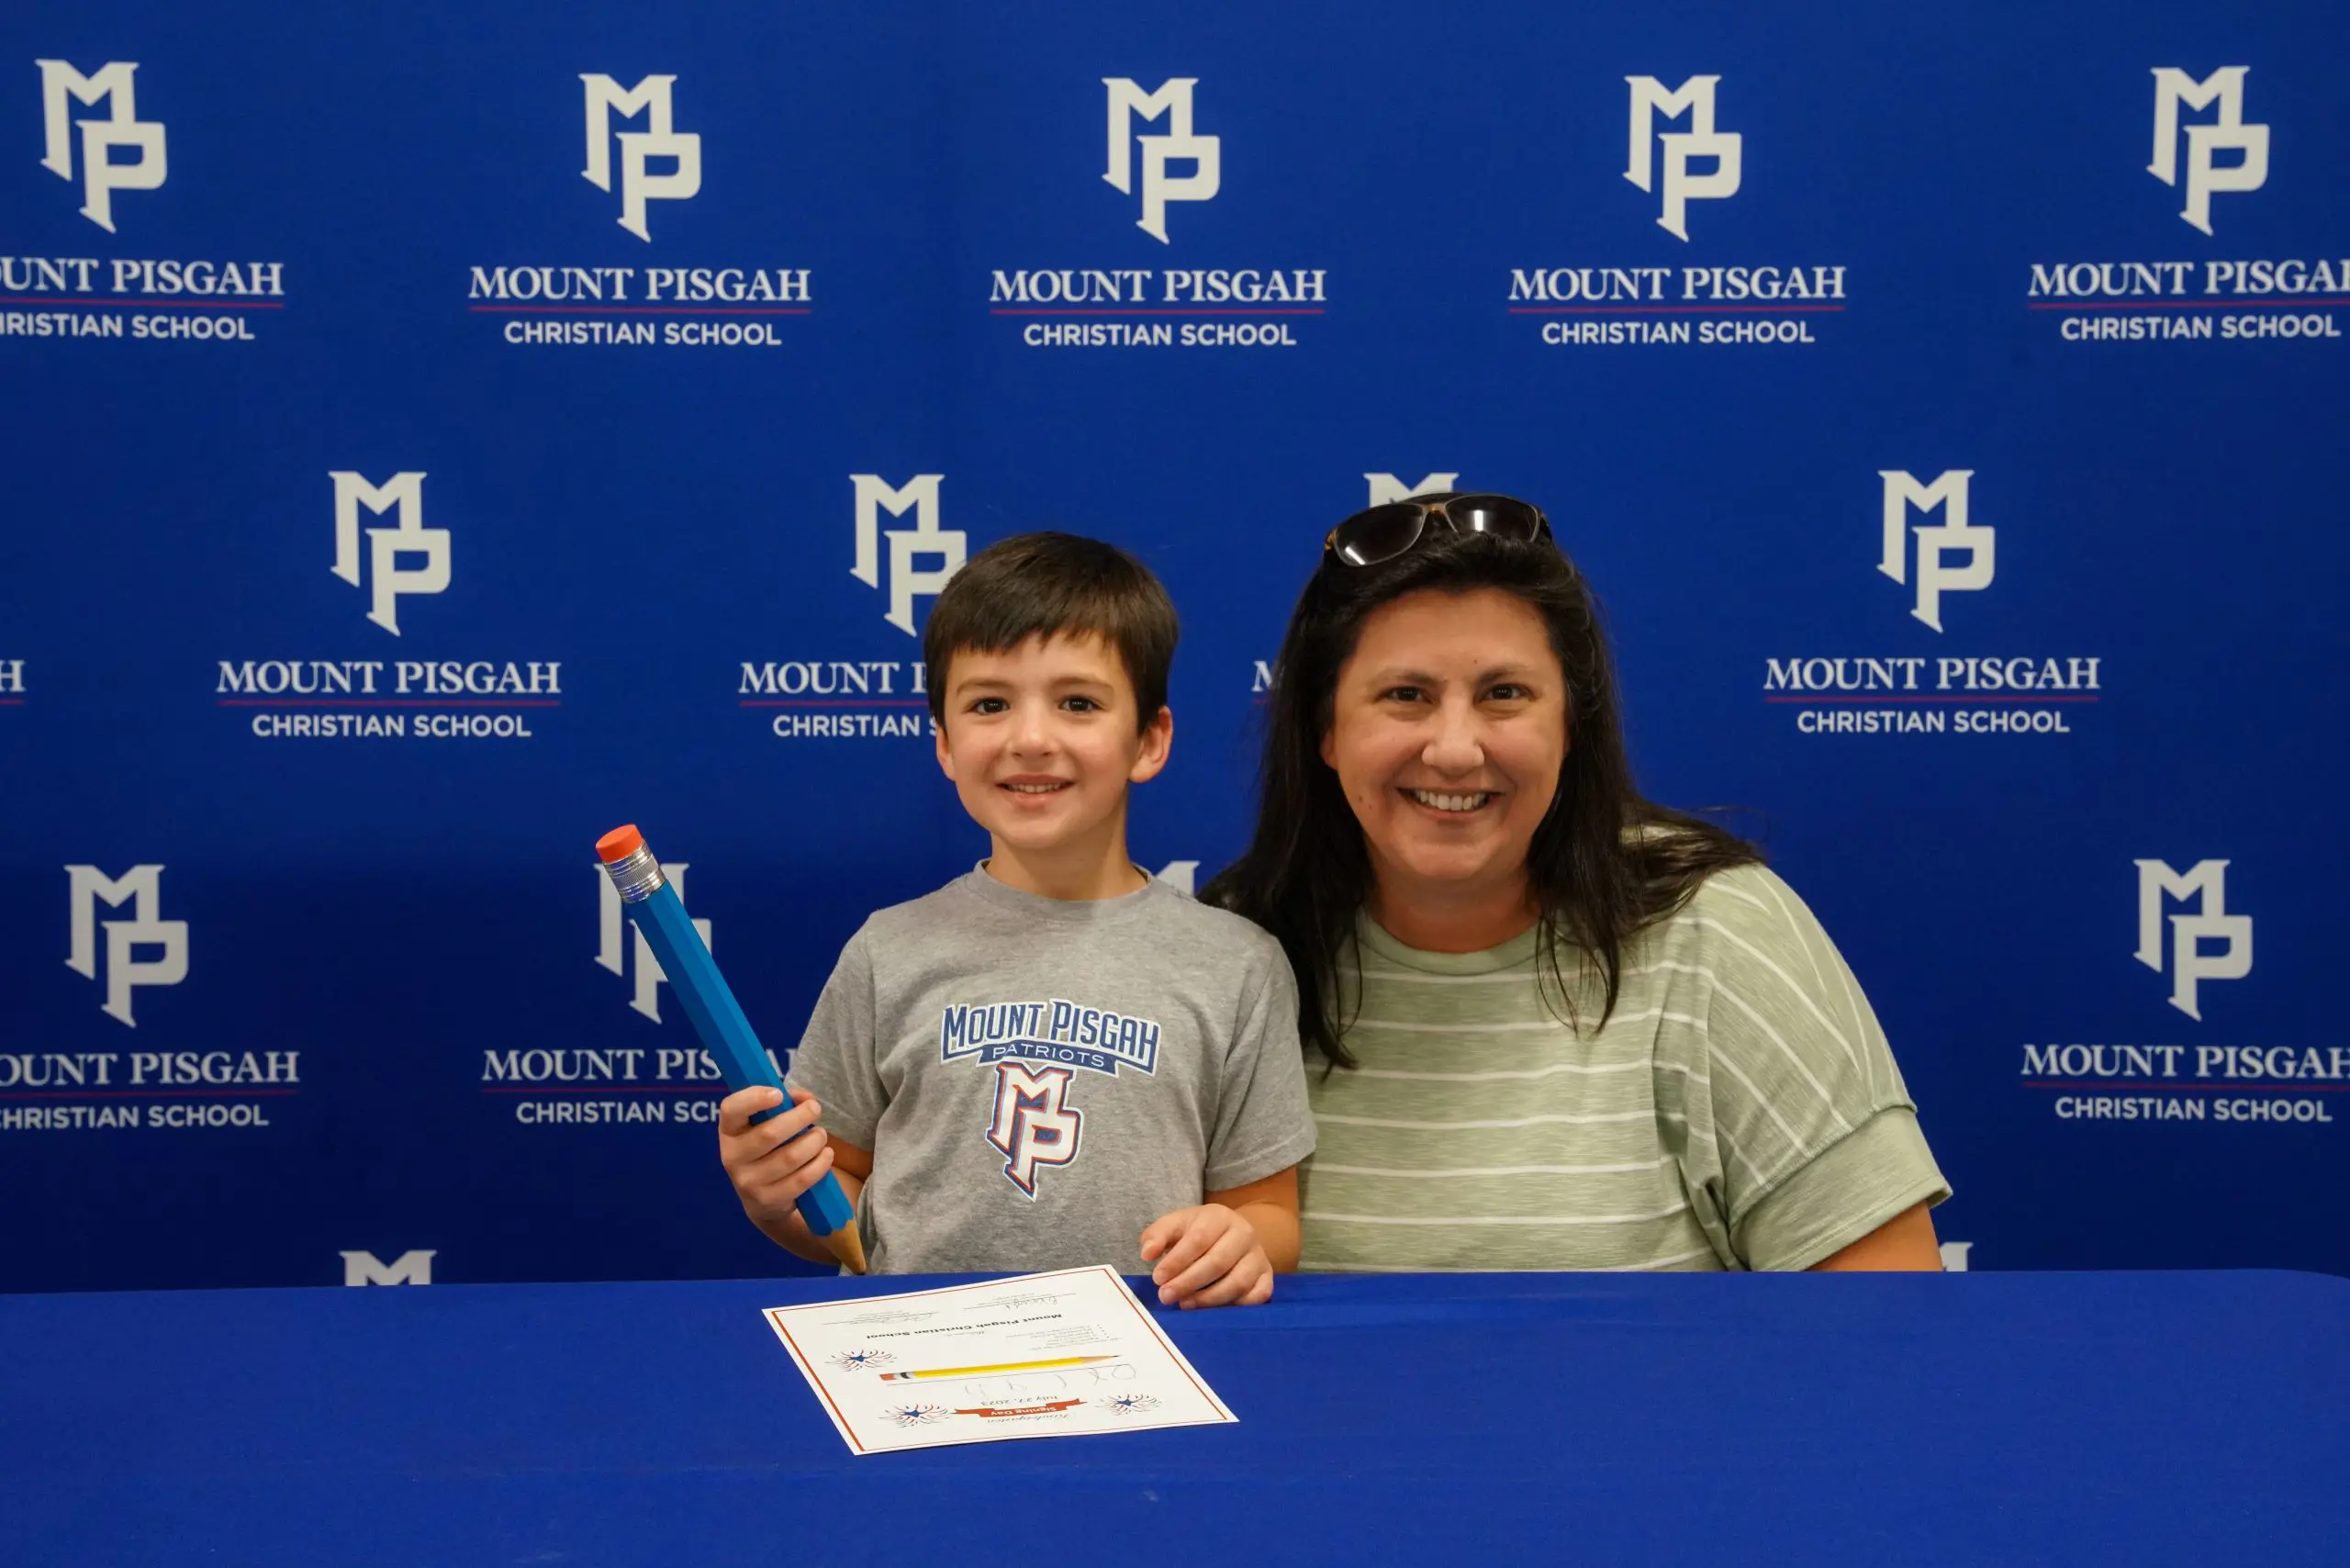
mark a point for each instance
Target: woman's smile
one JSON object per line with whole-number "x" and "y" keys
{"x": 1453, "y": 803}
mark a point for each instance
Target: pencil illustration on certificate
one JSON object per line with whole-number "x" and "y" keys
{"x": 1034, "y": 1356}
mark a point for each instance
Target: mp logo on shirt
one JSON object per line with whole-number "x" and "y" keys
{"x": 1935, "y": 575}
{"x": 2229, "y": 132}
{"x": 1034, "y": 1125}
{"x": 1036, "y": 1048}
{"x": 612, "y": 955}
{"x": 607, "y": 99}
{"x": 402, "y": 494}
{"x": 1070, "y": 1033}
{"x": 1176, "y": 144}
{"x": 922, "y": 558}
{"x": 165, "y": 941}
{"x": 2177, "y": 944}
{"x": 62, "y": 86}
{"x": 1652, "y": 100}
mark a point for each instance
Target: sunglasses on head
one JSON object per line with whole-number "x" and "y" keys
{"x": 1383, "y": 532}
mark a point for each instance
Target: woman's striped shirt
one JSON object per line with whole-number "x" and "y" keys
{"x": 1740, "y": 1110}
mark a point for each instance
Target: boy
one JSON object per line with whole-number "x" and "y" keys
{"x": 1055, "y": 1060}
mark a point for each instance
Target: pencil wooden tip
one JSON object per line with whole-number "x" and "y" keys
{"x": 847, "y": 1246}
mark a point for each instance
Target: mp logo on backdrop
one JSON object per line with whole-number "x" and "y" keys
{"x": 1178, "y": 143}
{"x": 922, "y": 558}
{"x": 2176, "y": 945}
{"x": 602, "y": 1084}
{"x": 62, "y": 86}
{"x": 2198, "y": 298}
{"x": 2095, "y": 1076}
{"x": 660, "y": 140}
{"x": 164, "y": 942}
{"x": 1650, "y": 304}
{"x": 1106, "y": 304}
{"x": 1934, "y": 574}
{"x": 402, "y": 496}
{"x": 868, "y": 698}
{"x": 411, "y": 1268}
{"x": 611, "y": 953}
{"x": 1936, "y": 690}
{"x": 1651, "y": 100}
{"x": 608, "y": 305}
{"x": 1387, "y": 487}
{"x": 381, "y": 698}
{"x": 109, "y": 153}
{"x": 2228, "y": 132}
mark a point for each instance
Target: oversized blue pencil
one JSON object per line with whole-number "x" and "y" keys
{"x": 653, "y": 905}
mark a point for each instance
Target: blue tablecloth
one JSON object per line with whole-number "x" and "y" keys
{"x": 1982, "y": 1418}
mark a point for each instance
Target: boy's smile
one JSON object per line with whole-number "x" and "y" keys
{"x": 1042, "y": 740}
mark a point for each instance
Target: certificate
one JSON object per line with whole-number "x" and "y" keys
{"x": 1036, "y": 1356}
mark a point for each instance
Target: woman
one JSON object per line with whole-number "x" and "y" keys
{"x": 1549, "y": 1024}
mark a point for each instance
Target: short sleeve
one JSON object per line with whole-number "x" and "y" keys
{"x": 1262, "y": 1125}
{"x": 1818, "y": 1138}
{"x": 836, "y": 1060}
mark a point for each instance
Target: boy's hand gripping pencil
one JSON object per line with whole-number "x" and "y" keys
{"x": 653, "y": 905}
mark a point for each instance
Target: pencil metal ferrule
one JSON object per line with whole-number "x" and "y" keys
{"x": 636, "y": 874}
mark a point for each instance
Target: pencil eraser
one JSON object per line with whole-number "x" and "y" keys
{"x": 619, "y": 844}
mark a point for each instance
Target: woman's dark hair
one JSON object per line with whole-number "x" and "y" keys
{"x": 1604, "y": 863}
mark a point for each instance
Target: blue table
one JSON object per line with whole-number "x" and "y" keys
{"x": 1977, "y": 1418}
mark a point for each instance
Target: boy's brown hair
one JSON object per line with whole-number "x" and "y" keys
{"x": 1048, "y": 585}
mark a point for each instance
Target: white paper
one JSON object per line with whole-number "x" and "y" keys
{"x": 1036, "y": 1356}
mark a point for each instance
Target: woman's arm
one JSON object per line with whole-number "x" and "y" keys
{"x": 1906, "y": 1242}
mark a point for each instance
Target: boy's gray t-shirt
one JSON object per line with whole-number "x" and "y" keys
{"x": 1038, "y": 1079}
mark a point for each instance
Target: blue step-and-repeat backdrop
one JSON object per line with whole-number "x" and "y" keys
{"x": 437, "y": 433}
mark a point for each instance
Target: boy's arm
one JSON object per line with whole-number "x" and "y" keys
{"x": 1271, "y": 1208}
{"x": 772, "y": 1163}
{"x": 1263, "y": 1122}
{"x": 851, "y": 1167}
{"x": 1224, "y": 1252}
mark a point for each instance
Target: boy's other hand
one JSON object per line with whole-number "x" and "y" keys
{"x": 771, "y": 1164}
{"x": 1209, "y": 1256}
